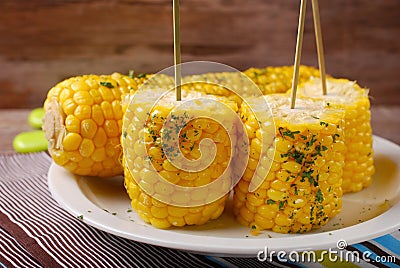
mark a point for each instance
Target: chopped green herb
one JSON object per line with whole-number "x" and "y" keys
{"x": 281, "y": 204}
{"x": 319, "y": 196}
{"x": 335, "y": 136}
{"x": 323, "y": 123}
{"x": 311, "y": 142}
{"x": 80, "y": 217}
{"x": 131, "y": 73}
{"x": 288, "y": 133}
{"x": 107, "y": 84}
{"x": 318, "y": 151}
{"x": 270, "y": 202}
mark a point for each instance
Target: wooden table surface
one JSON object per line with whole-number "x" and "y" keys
{"x": 385, "y": 123}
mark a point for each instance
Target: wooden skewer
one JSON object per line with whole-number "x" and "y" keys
{"x": 320, "y": 47}
{"x": 177, "y": 49}
{"x": 299, "y": 43}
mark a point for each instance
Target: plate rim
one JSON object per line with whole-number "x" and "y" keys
{"x": 214, "y": 245}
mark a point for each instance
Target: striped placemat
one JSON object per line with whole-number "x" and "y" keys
{"x": 36, "y": 232}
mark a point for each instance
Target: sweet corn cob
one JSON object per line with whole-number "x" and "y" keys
{"x": 231, "y": 85}
{"x": 278, "y": 79}
{"x": 145, "y": 157}
{"x": 302, "y": 189}
{"x": 347, "y": 95}
{"x": 269, "y": 80}
{"x": 83, "y": 123}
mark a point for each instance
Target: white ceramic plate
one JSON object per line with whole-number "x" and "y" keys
{"x": 104, "y": 204}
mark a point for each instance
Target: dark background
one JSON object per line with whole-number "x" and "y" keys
{"x": 43, "y": 42}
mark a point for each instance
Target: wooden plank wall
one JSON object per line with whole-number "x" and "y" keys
{"x": 45, "y": 41}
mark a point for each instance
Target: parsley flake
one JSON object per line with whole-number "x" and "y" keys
{"x": 107, "y": 84}
{"x": 319, "y": 196}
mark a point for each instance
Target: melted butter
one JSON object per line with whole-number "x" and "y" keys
{"x": 104, "y": 192}
{"x": 386, "y": 169}
{"x": 102, "y": 187}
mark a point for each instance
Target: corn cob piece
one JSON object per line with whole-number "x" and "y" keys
{"x": 302, "y": 189}
{"x": 145, "y": 158}
{"x": 225, "y": 84}
{"x": 83, "y": 123}
{"x": 278, "y": 79}
{"x": 347, "y": 95}
{"x": 234, "y": 85}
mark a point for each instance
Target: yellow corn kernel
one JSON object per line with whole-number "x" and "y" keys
{"x": 83, "y": 112}
{"x": 160, "y": 223}
{"x": 292, "y": 166}
{"x": 106, "y": 108}
{"x": 111, "y": 128}
{"x": 159, "y": 212}
{"x": 72, "y": 123}
{"x": 192, "y": 218}
{"x": 85, "y": 163}
{"x": 69, "y": 106}
{"x": 87, "y": 148}
{"x": 88, "y": 128}
{"x": 263, "y": 223}
{"x": 100, "y": 138}
{"x": 254, "y": 200}
{"x": 276, "y": 195}
{"x": 268, "y": 210}
{"x": 176, "y": 221}
{"x": 83, "y": 98}
{"x": 283, "y": 220}
{"x": 60, "y": 158}
{"x": 279, "y": 185}
{"x": 97, "y": 114}
{"x": 65, "y": 95}
{"x": 95, "y": 95}
{"x": 71, "y": 142}
{"x": 106, "y": 94}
